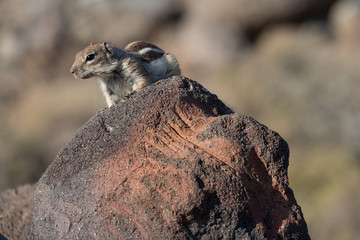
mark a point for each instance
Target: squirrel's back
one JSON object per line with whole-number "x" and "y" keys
{"x": 158, "y": 63}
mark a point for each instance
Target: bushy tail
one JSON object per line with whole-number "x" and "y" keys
{"x": 164, "y": 67}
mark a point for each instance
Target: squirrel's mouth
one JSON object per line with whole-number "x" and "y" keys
{"x": 82, "y": 75}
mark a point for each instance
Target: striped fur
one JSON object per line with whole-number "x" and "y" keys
{"x": 123, "y": 71}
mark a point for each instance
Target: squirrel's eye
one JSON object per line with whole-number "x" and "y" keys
{"x": 90, "y": 57}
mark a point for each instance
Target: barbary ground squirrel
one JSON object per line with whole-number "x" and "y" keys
{"x": 123, "y": 71}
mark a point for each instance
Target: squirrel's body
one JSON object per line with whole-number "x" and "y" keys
{"x": 123, "y": 71}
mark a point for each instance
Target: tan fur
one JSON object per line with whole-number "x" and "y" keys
{"x": 138, "y": 45}
{"x": 123, "y": 71}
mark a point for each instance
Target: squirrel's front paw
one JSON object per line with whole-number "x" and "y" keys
{"x": 129, "y": 95}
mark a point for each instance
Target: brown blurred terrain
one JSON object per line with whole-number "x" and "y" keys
{"x": 292, "y": 65}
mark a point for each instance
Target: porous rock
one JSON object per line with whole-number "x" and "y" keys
{"x": 172, "y": 162}
{"x": 16, "y": 207}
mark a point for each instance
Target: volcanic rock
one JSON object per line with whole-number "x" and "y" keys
{"x": 16, "y": 207}
{"x": 172, "y": 162}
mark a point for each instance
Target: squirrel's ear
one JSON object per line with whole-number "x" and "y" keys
{"x": 107, "y": 47}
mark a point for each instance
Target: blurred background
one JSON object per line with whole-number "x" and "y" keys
{"x": 293, "y": 65}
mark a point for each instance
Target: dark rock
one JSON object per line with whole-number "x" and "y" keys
{"x": 172, "y": 162}
{"x": 16, "y": 207}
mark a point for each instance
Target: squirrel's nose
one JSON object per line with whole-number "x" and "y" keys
{"x": 72, "y": 69}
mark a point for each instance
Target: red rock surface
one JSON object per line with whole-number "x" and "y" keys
{"x": 172, "y": 162}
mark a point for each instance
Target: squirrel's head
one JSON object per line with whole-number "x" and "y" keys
{"x": 95, "y": 60}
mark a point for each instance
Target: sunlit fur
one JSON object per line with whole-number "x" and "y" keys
{"x": 123, "y": 71}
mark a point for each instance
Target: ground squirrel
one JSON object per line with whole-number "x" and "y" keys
{"x": 123, "y": 71}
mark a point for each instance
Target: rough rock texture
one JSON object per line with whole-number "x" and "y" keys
{"x": 172, "y": 162}
{"x": 16, "y": 207}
